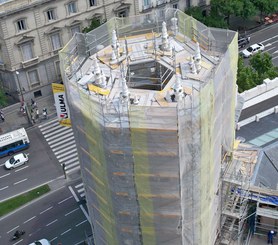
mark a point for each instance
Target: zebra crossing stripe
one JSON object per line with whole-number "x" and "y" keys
{"x": 57, "y": 135}
{"x": 81, "y": 190}
{"x": 49, "y": 122}
{"x": 72, "y": 160}
{"x": 68, "y": 157}
{"x": 50, "y": 128}
{"x": 60, "y": 129}
{"x": 59, "y": 139}
{"x": 79, "y": 185}
{"x": 70, "y": 139}
{"x": 65, "y": 148}
{"x": 66, "y": 153}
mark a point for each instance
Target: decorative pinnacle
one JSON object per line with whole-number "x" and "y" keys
{"x": 178, "y": 89}
{"x": 96, "y": 67}
{"x": 197, "y": 52}
{"x": 174, "y": 25}
{"x": 114, "y": 40}
{"x": 164, "y": 31}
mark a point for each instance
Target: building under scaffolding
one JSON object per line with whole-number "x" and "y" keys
{"x": 152, "y": 100}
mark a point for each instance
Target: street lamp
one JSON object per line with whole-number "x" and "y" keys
{"x": 20, "y": 88}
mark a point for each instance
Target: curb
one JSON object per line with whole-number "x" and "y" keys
{"x": 52, "y": 190}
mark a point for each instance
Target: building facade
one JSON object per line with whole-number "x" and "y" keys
{"x": 152, "y": 101}
{"x": 32, "y": 33}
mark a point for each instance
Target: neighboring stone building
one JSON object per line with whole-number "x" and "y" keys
{"x": 33, "y": 31}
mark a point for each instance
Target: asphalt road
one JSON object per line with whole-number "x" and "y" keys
{"x": 56, "y": 217}
{"x": 269, "y": 38}
{"x": 41, "y": 168}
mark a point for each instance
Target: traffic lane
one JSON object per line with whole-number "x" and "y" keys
{"x": 41, "y": 168}
{"x": 45, "y": 218}
{"x": 257, "y": 108}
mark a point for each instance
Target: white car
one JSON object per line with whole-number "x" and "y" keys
{"x": 253, "y": 49}
{"x": 16, "y": 160}
{"x": 41, "y": 242}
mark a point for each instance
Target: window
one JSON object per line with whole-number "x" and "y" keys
{"x": 122, "y": 13}
{"x": 21, "y": 25}
{"x": 33, "y": 78}
{"x": 56, "y": 41}
{"x": 57, "y": 64}
{"x": 27, "y": 51}
{"x": 92, "y": 3}
{"x": 147, "y": 2}
{"x": 72, "y": 7}
{"x": 51, "y": 14}
{"x": 175, "y": 6}
{"x": 75, "y": 29}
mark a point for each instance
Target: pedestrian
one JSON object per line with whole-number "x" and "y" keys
{"x": 33, "y": 118}
{"x": 270, "y": 236}
{"x": 2, "y": 115}
{"x": 37, "y": 113}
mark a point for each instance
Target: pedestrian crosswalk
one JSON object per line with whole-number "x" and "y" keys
{"x": 80, "y": 190}
{"x": 61, "y": 141}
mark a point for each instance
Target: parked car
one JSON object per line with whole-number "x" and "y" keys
{"x": 253, "y": 49}
{"x": 243, "y": 41}
{"x": 41, "y": 242}
{"x": 16, "y": 160}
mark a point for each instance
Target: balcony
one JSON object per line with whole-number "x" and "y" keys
{"x": 30, "y": 62}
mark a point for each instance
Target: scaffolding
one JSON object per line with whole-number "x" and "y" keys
{"x": 237, "y": 171}
{"x": 150, "y": 124}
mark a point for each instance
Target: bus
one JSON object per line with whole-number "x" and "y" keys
{"x": 14, "y": 141}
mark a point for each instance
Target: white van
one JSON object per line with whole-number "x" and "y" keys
{"x": 41, "y": 242}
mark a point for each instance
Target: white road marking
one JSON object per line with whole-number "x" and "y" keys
{"x": 52, "y": 222}
{"x": 268, "y": 39}
{"x": 81, "y": 223}
{"x": 79, "y": 185}
{"x": 275, "y": 52}
{"x": 5, "y": 175}
{"x": 3, "y": 188}
{"x": 65, "y": 232}
{"x": 71, "y": 212}
{"x": 84, "y": 212}
{"x": 274, "y": 58}
{"x": 46, "y": 210}
{"x": 78, "y": 243}
{"x": 2, "y": 164}
{"x": 12, "y": 229}
{"x": 268, "y": 44}
{"x": 29, "y": 220}
{"x": 64, "y": 200}
{"x": 268, "y": 49}
{"x": 21, "y": 168}
{"x": 18, "y": 242}
{"x": 20, "y": 181}
{"x": 73, "y": 193}
{"x": 53, "y": 239}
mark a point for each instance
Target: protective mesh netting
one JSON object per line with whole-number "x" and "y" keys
{"x": 151, "y": 173}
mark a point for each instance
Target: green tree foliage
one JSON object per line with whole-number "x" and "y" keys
{"x": 3, "y": 98}
{"x": 265, "y": 6}
{"x": 226, "y": 8}
{"x": 212, "y": 20}
{"x": 248, "y": 9}
{"x": 262, "y": 64}
{"x": 261, "y": 67}
{"x": 94, "y": 24}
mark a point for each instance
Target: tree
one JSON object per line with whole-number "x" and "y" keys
{"x": 265, "y": 6}
{"x": 226, "y": 8}
{"x": 248, "y": 9}
{"x": 261, "y": 67}
{"x": 94, "y": 24}
{"x": 3, "y": 98}
{"x": 262, "y": 64}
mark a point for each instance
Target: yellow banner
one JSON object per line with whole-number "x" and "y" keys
{"x": 61, "y": 104}
{"x": 98, "y": 89}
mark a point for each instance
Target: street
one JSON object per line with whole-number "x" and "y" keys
{"x": 57, "y": 217}
{"x": 269, "y": 38}
{"x": 41, "y": 168}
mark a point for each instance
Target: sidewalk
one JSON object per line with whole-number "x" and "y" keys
{"x": 15, "y": 119}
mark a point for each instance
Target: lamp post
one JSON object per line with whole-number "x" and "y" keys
{"x": 20, "y": 88}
